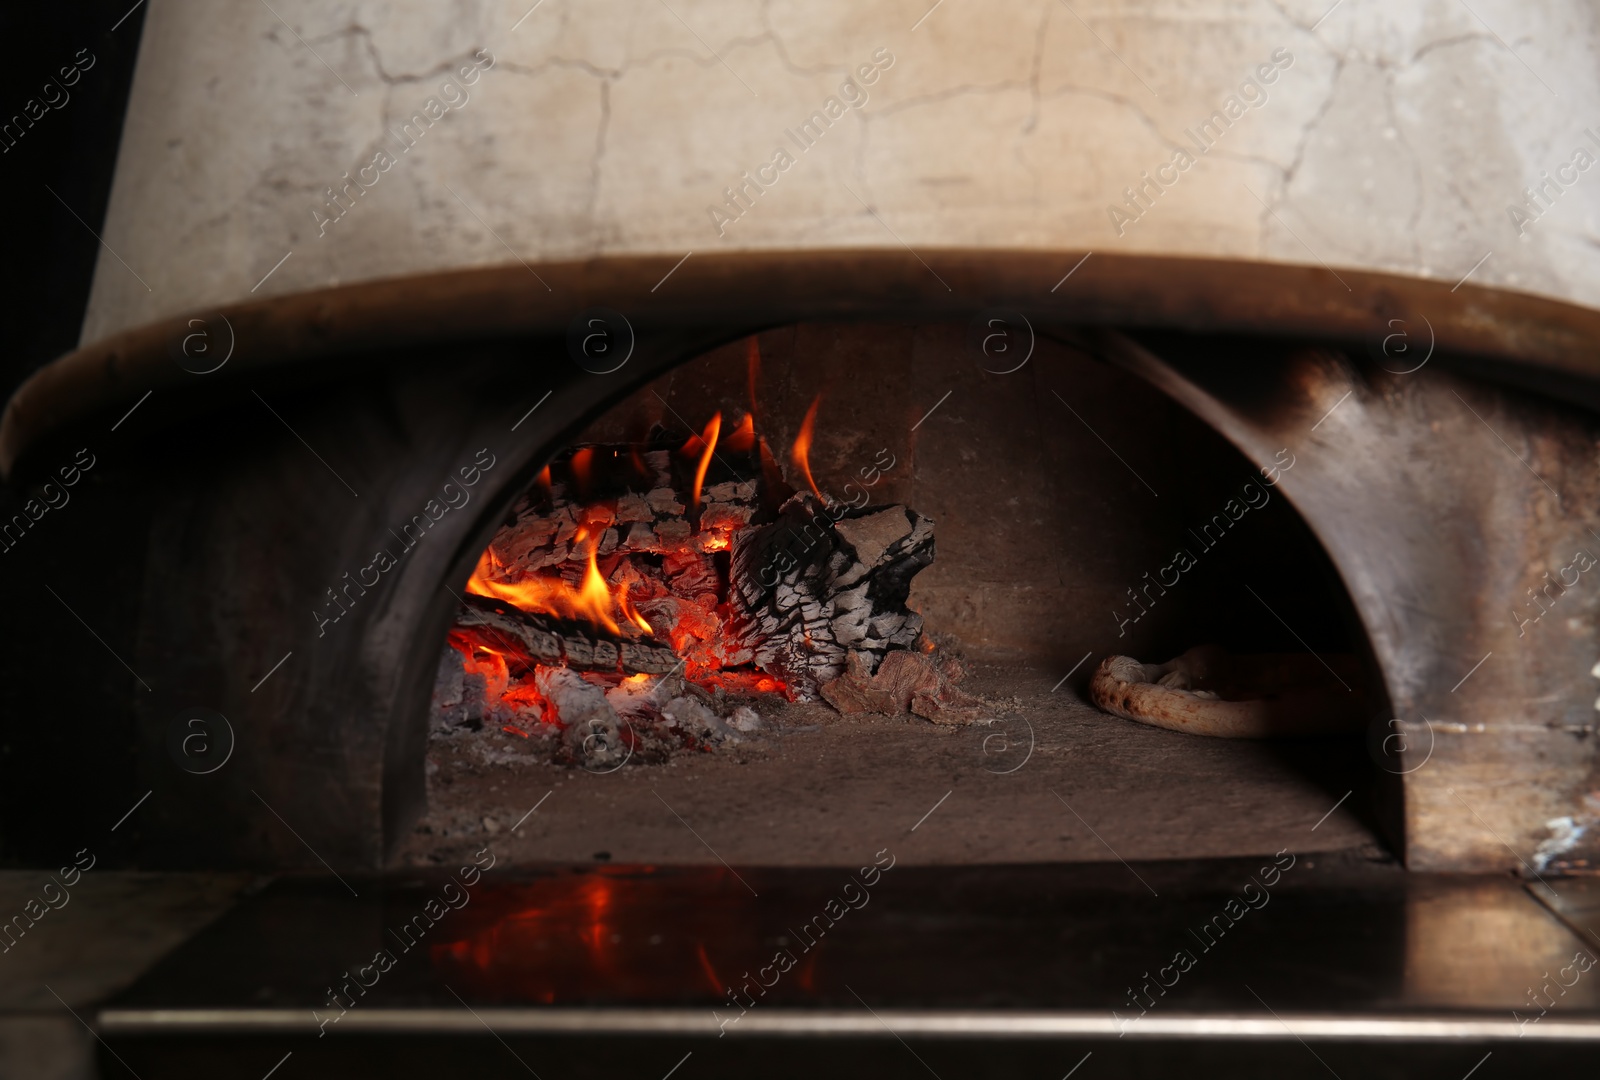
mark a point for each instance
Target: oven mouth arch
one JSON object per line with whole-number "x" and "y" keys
{"x": 583, "y": 399}
{"x": 330, "y": 335}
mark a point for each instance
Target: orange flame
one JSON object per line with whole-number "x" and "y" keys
{"x": 543, "y": 479}
{"x": 536, "y": 595}
{"x": 801, "y": 452}
{"x": 595, "y": 598}
{"x": 710, "y": 439}
{"x": 631, "y": 613}
{"x": 539, "y": 595}
{"x": 743, "y": 437}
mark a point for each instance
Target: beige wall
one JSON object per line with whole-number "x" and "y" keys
{"x": 1395, "y": 139}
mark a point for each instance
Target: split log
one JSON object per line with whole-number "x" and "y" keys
{"x": 819, "y": 583}
{"x": 527, "y": 639}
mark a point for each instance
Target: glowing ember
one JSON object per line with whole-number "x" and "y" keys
{"x": 487, "y": 662}
{"x": 801, "y": 452}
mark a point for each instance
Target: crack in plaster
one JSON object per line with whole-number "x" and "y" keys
{"x": 1025, "y": 133}
{"x": 783, "y": 51}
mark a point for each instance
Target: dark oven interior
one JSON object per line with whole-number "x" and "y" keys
{"x": 1060, "y": 510}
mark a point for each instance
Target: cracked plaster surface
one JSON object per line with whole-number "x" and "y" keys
{"x": 1395, "y": 141}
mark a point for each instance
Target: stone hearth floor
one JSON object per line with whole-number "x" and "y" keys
{"x": 823, "y": 789}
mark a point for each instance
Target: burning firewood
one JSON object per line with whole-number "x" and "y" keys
{"x": 662, "y": 577}
{"x": 528, "y": 640}
{"x": 635, "y": 588}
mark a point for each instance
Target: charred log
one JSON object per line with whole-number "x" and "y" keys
{"x": 652, "y": 521}
{"x": 526, "y": 640}
{"x": 820, "y": 583}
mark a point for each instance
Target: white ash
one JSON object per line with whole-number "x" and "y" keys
{"x": 590, "y": 724}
